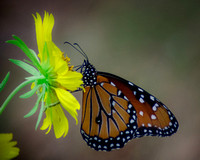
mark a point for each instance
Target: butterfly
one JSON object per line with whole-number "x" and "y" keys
{"x": 115, "y": 110}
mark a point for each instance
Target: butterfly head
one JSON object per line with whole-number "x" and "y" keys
{"x": 87, "y": 69}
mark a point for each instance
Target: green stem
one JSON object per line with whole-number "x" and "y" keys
{"x": 13, "y": 93}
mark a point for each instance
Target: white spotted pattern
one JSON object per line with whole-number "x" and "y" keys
{"x": 153, "y": 116}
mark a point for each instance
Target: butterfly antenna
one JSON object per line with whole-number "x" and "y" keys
{"x": 80, "y": 51}
{"x": 78, "y": 67}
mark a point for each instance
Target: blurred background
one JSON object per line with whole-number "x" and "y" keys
{"x": 155, "y": 44}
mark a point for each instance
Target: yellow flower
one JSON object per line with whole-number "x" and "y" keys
{"x": 51, "y": 79}
{"x": 7, "y": 149}
{"x": 60, "y": 78}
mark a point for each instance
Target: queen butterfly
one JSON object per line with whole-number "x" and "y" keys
{"x": 115, "y": 110}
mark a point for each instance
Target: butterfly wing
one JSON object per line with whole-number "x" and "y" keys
{"x": 153, "y": 117}
{"x": 116, "y": 110}
{"x": 106, "y": 124}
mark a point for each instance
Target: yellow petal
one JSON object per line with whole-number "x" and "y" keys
{"x": 39, "y": 32}
{"x": 56, "y": 117}
{"x": 68, "y": 101}
{"x": 60, "y": 66}
{"x": 48, "y": 23}
{"x": 47, "y": 122}
{"x": 60, "y": 122}
{"x": 55, "y": 50}
{"x": 43, "y": 30}
{"x": 71, "y": 81}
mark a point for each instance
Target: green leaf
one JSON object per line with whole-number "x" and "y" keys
{"x": 19, "y": 43}
{"x": 33, "y": 52}
{"x": 34, "y": 109}
{"x": 40, "y": 115}
{"x": 30, "y": 93}
{"x": 41, "y": 77}
{"x": 14, "y": 92}
{"x": 29, "y": 62}
{"x": 30, "y": 69}
{"x": 5, "y": 80}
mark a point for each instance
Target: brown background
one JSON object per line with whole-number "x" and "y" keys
{"x": 155, "y": 44}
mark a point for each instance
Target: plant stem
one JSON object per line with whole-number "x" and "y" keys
{"x": 13, "y": 93}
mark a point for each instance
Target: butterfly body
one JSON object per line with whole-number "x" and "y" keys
{"x": 116, "y": 110}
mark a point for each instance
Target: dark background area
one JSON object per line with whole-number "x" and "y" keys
{"x": 155, "y": 44}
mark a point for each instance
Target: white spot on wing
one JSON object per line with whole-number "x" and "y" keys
{"x": 141, "y": 113}
{"x": 113, "y": 103}
{"x": 119, "y": 92}
{"x": 149, "y": 124}
{"x": 131, "y": 83}
{"x": 141, "y": 100}
{"x": 152, "y": 98}
{"x": 153, "y": 116}
{"x": 125, "y": 98}
{"x": 141, "y": 90}
{"x": 129, "y": 106}
{"x": 154, "y": 108}
{"x": 112, "y": 84}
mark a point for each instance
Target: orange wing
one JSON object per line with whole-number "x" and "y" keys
{"x": 115, "y": 111}
{"x": 106, "y": 124}
{"x": 153, "y": 117}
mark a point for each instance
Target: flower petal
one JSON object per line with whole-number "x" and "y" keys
{"x": 43, "y": 30}
{"x": 47, "y": 122}
{"x": 71, "y": 81}
{"x": 56, "y": 116}
{"x": 60, "y": 122}
{"x": 68, "y": 101}
{"x": 60, "y": 66}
